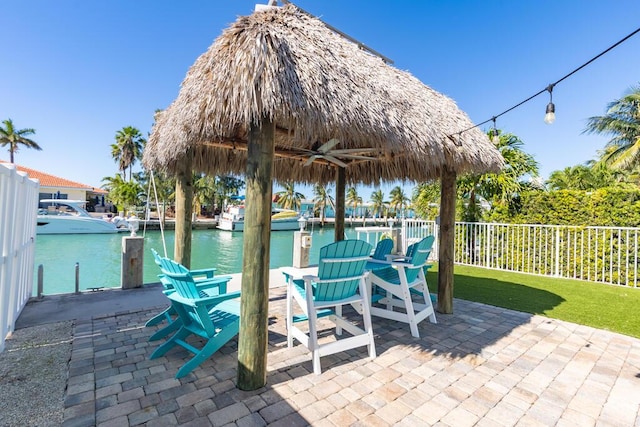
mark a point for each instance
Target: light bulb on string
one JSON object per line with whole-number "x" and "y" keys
{"x": 495, "y": 137}
{"x": 550, "y": 114}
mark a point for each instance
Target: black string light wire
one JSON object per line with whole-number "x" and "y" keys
{"x": 550, "y": 113}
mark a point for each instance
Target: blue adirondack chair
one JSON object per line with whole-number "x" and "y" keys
{"x": 340, "y": 281}
{"x": 396, "y": 283}
{"x": 207, "y": 284}
{"x": 198, "y": 275}
{"x": 379, "y": 256}
{"x": 216, "y": 318}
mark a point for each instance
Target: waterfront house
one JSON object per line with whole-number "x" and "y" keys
{"x": 55, "y": 187}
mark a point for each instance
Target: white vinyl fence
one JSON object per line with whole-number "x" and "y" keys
{"x": 18, "y": 212}
{"x": 417, "y": 229}
{"x": 599, "y": 254}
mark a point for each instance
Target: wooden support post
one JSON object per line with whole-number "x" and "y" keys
{"x": 254, "y": 306}
{"x": 340, "y": 203}
{"x": 447, "y": 228}
{"x": 184, "y": 208}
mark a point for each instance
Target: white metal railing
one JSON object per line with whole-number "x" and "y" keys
{"x": 18, "y": 212}
{"x": 417, "y": 229}
{"x": 598, "y": 254}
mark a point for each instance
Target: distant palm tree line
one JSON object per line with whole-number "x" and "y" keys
{"x": 617, "y": 164}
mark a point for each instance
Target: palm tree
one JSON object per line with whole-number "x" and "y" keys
{"x": 569, "y": 178}
{"x": 399, "y": 199}
{"x": 204, "y": 191}
{"x": 124, "y": 194}
{"x": 289, "y": 198}
{"x": 378, "y": 203}
{"x": 622, "y": 122}
{"x": 426, "y": 199}
{"x": 10, "y": 136}
{"x": 584, "y": 177}
{"x": 127, "y": 148}
{"x": 497, "y": 187}
{"x": 353, "y": 199}
{"x": 226, "y": 186}
{"x": 321, "y": 200}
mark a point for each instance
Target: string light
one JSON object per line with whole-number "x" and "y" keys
{"x": 550, "y": 115}
{"x": 495, "y": 137}
{"x": 551, "y": 108}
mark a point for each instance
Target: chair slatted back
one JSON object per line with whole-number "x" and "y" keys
{"x": 180, "y": 277}
{"x": 419, "y": 253}
{"x": 383, "y": 248}
{"x": 340, "y": 268}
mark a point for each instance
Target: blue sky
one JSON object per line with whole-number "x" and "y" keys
{"x": 78, "y": 71}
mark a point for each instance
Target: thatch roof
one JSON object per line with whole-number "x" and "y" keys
{"x": 315, "y": 85}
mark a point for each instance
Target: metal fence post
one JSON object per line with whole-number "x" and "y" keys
{"x": 557, "y": 253}
{"x": 77, "y": 277}
{"x": 40, "y": 280}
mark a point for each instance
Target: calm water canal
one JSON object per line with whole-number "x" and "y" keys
{"x": 99, "y": 255}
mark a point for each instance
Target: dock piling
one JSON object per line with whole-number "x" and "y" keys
{"x": 40, "y": 280}
{"x": 77, "y": 278}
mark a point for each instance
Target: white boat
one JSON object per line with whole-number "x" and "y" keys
{"x": 281, "y": 219}
{"x": 63, "y": 216}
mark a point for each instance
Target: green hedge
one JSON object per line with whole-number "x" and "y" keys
{"x": 611, "y": 206}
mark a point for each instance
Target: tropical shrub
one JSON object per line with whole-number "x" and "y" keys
{"x": 617, "y": 206}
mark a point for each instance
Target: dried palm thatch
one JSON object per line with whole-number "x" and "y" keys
{"x": 315, "y": 86}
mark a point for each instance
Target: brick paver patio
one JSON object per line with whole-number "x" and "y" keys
{"x": 482, "y": 366}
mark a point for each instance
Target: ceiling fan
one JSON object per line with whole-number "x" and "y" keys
{"x": 326, "y": 152}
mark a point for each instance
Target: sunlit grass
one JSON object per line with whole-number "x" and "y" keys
{"x": 613, "y": 308}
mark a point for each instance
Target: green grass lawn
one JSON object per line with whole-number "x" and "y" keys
{"x": 613, "y": 308}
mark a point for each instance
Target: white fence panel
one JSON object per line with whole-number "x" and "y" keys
{"x": 18, "y": 213}
{"x": 598, "y": 254}
{"x": 414, "y": 230}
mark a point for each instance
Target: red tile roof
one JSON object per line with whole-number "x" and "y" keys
{"x": 47, "y": 180}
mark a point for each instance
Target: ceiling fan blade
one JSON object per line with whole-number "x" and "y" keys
{"x": 324, "y": 148}
{"x": 356, "y": 157}
{"x": 355, "y": 150}
{"x": 336, "y": 161}
{"x": 310, "y": 160}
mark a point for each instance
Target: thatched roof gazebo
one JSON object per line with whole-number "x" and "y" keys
{"x": 280, "y": 96}
{"x": 315, "y": 86}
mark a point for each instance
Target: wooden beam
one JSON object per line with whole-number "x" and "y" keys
{"x": 254, "y": 306}
{"x": 184, "y": 210}
{"x": 340, "y": 203}
{"x": 446, "y": 251}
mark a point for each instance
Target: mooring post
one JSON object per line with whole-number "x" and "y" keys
{"x": 77, "y": 278}
{"x": 132, "y": 262}
{"x": 40, "y": 280}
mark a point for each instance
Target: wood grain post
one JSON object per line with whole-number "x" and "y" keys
{"x": 132, "y": 265}
{"x": 446, "y": 252}
{"x": 184, "y": 208}
{"x": 254, "y": 306}
{"x": 340, "y": 204}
